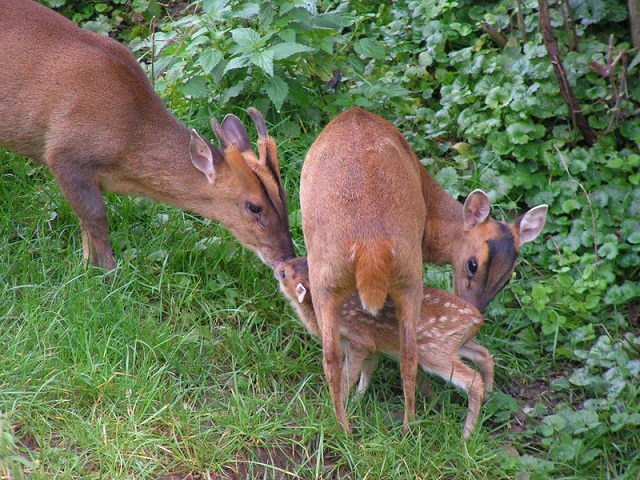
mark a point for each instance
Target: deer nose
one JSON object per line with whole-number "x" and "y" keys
{"x": 277, "y": 263}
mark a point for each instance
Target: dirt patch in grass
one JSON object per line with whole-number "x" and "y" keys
{"x": 530, "y": 393}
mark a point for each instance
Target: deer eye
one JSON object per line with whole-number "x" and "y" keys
{"x": 253, "y": 208}
{"x": 283, "y": 274}
{"x": 472, "y": 265}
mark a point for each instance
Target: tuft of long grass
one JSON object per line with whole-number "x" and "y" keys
{"x": 188, "y": 361}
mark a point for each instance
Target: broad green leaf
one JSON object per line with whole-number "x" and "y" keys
{"x": 216, "y": 8}
{"x": 247, "y": 38}
{"x": 616, "y": 162}
{"x": 570, "y": 205}
{"x": 539, "y": 295}
{"x": 518, "y": 132}
{"x": 277, "y": 91}
{"x": 286, "y": 49}
{"x": 552, "y": 424}
{"x": 609, "y": 251}
{"x": 368, "y": 48}
{"x": 634, "y": 62}
{"x": 238, "y": 62}
{"x": 196, "y": 87}
{"x": 264, "y": 60}
{"x": 209, "y": 58}
{"x": 634, "y": 237}
{"x": 393, "y": 90}
{"x": 231, "y": 92}
{"x": 334, "y": 21}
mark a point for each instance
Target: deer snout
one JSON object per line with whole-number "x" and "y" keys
{"x": 278, "y": 263}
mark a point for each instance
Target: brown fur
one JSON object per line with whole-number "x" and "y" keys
{"x": 358, "y": 191}
{"x": 80, "y": 103}
{"x": 373, "y": 261}
{"x": 445, "y": 331}
{"x": 456, "y": 233}
{"x": 358, "y": 188}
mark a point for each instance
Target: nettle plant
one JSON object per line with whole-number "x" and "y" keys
{"x": 247, "y": 49}
{"x": 128, "y": 17}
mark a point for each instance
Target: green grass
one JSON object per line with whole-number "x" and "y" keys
{"x": 190, "y": 362}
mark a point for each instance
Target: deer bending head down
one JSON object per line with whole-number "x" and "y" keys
{"x": 482, "y": 251}
{"x": 445, "y": 331}
{"x": 81, "y": 104}
{"x": 366, "y": 202}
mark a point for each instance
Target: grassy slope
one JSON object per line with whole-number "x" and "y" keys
{"x": 190, "y": 362}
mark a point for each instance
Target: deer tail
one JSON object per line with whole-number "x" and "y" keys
{"x": 372, "y": 264}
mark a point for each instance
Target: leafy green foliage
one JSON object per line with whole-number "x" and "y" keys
{"x": 215, "y": 51}
{"x": 479, "y": 114}
{"x": 108, "y": 17}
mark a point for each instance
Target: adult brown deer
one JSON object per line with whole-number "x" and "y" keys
{"x": 81, "y": 104}
{"x": 444, "y": 334}
{"x": 360, "y": 201}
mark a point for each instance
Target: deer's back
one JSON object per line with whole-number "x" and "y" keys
{"x": 446, "y": 322}
{"x": 59, "y": 83}
{"x": 360, "y": 180}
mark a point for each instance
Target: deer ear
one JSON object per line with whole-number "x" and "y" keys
{"x": 235, "y": 132}
{"x": 476, "y": 209}
{"x": 202, "y": 156}
{"x": 531, "y": 223}
{"x": 301, "y": 291}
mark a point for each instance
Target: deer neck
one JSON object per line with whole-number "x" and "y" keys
{"x": 308, "y": 317}
{"x": 158, "y": 166}
{"x": 444, "y": 228}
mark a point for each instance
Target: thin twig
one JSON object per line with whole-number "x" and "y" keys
{"x": 579, "y": 120}
{"x": 495, "y": 35}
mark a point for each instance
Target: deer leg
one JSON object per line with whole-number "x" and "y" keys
{"x": 85, "y": 198}
{"x": 468, "y": 379}
{"x": 368, "y": 368}
{"x": 328, "y": 312}
{"x": 480, "y": 355}
{"x": 408, "y": 302}
{"x": 353, "y": 367}
{"x": 462, "y": 376}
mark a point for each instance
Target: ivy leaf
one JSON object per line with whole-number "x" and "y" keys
{"x": 277, "y": 90}
{"x": 518, "y": 132}
{"x": 286, "y": 49}
{"x": 570, "y": 205}
{"x": 552, "y": 424}
{"x": 634, "y": 237}
{"x": 369, "y": 48}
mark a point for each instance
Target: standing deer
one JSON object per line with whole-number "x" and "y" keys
{"x": 81, "y": 104}
{"x": 361, "y": 215}
{"x": 444, "y": 334}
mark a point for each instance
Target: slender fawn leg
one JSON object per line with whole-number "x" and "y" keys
{"x": 354, "y": 367}
{"x": 480, "y": 355}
